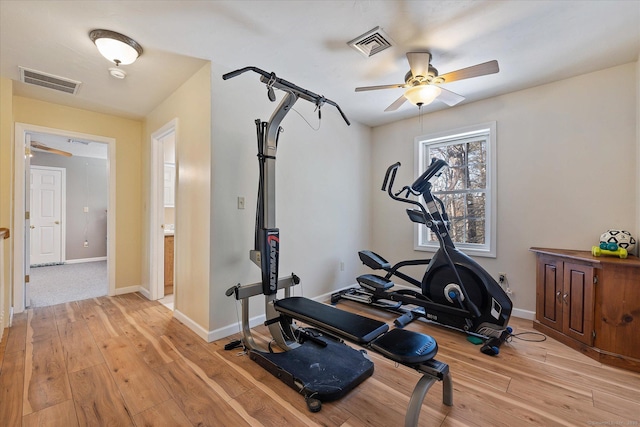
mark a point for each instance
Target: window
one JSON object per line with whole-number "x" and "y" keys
{"x": 466, "y": 187}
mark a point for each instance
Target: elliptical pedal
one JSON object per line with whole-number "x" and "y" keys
{"x": 374, "y": 283}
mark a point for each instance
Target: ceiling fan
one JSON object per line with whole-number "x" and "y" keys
{"x": 422, "y": 81}
{"x": 41, "y": 146}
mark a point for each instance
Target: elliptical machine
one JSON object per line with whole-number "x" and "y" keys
{"x": 455, "y": 292}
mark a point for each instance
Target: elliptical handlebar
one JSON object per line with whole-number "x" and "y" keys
{"x": 420, "y": 184}
{"x": 270, "y": 79}
{"x": 391, "y": 171}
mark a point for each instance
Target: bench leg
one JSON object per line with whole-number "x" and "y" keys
{"x": 420, "y": 392}
{"x": 447, "y": 390}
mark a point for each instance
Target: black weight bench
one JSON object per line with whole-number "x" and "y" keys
{"x": 405, "y": 347}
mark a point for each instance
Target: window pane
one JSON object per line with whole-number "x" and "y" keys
{"x": 458, "y": 231}
{"x": 456, "y": 177}
{"x": 475, "y": 231}
{"x": 477, "y": 165}
{"x": 476, "y": 203}
{"x": 477, "y": 176}
{"x": 477, "y": 152}
{"x": 454, "y": 205}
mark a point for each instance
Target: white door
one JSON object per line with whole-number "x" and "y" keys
{"x": 46, "y": 215}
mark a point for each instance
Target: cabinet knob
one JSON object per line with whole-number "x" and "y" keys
{"x": 564, "y": 297}
{"x": 558, "y": 295}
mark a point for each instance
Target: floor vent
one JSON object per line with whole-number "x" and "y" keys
{"x": 38, "y": 78}
{"x": 371, "y": 42}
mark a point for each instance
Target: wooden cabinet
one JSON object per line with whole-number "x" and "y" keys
{"x": 590, "y": 303}
{"x": 168, "y": 265}
{"x": 564, "y": 297}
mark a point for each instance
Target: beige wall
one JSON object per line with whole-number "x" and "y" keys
{"x": 191, "y": 105}
{"x": 6, "y": 144}
{"x": 566, "y": 170}
{"x": 127, "y": 134}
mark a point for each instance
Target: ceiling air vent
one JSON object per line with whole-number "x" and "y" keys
{"x": 38, "y": 78}
{"x": 371, "y": 42}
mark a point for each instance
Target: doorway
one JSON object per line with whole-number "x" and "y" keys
{"x": 91, "y": 247}
{"x": 162, "y": 222}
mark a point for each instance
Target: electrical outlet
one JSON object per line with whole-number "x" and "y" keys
{"x": 502, "y": 277}
{"x": 240, "y": 202}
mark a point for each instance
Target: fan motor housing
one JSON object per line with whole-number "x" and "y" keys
{"x": 431, "y": 77}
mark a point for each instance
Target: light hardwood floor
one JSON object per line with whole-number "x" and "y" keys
{"x": 124, "y": 361}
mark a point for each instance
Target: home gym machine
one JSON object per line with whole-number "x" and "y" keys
{"x": 455, "y": 291}
{"x": 314, "y": 360}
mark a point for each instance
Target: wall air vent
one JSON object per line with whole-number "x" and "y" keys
{"x": 371, "y": 42}
{"x": 38, "y": 78}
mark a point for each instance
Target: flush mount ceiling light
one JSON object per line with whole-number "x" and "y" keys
{"x": 116, "y": 47}
{"x": 422, "y": 94}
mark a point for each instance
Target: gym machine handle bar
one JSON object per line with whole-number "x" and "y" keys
{"x": 270, "y": 79}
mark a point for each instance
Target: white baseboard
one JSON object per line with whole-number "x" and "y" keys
{"x": 189, "y": 323}
{"x": 523, "y": 314}
{"x": 81, "y": 260}
{"x": 234, "y": 328}
{"x": 131, "y": 290}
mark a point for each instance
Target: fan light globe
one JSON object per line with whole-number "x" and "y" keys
{"x": 422, "y": 95}
{"x": 116, "y": 47}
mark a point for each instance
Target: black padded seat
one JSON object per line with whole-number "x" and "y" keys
{"x": 351, "y": 326}
{"x": 406, "y": 347}
{"x": 374, "y": 282}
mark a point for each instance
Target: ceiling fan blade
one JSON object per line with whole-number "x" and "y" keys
{"x": 43, "y": 147}
{"x": 449, "y": 98}
{"x": 362, "y": 89}
{"x": 419, "y": 63}
{"x": 483, "y": 69}
{"x": 396, "y": 104}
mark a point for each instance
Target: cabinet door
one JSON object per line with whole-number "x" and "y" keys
{"x": 578, "y": 306}
{"x": 549, "y": 279}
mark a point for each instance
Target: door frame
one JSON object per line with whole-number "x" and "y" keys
{"x": 63, "y": 207}
{"x": 19, "y": 197}
{"x": 156, "y": 210}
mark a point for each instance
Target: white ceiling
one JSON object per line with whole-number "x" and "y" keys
{"x": 305, "y": 42}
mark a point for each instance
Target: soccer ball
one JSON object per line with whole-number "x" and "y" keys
{"x": 620, "y": 238}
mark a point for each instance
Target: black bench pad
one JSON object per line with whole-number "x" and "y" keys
{"x": 374, "y": 282}
{"x": 351, "y": 326}
{"x": 406, "y": 347}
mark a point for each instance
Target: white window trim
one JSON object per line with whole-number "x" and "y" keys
{"x": 421, "y": 143}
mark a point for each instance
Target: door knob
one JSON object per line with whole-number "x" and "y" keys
{"x": 32, "y": 227}
{"x": 56, "y": 222}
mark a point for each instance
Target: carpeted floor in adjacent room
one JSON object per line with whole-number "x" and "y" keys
{"x": 58, "y": 284}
